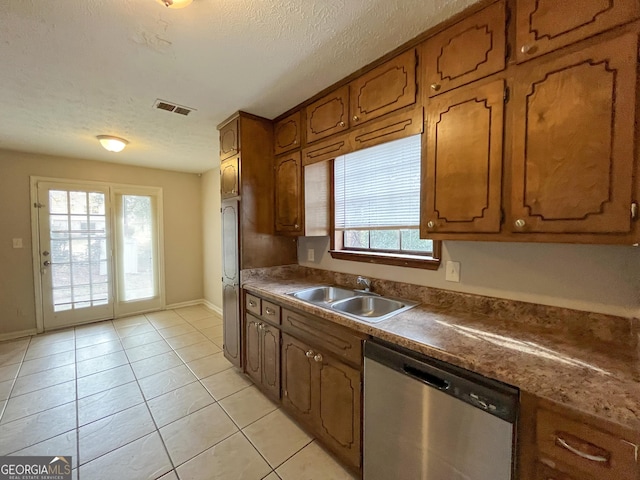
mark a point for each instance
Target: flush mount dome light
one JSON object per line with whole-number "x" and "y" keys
{"x": 175, "y": 3}
{"x": 111, "y": 143}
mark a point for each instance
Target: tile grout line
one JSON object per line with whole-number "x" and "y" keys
{"x": 15, "y": 379}
{"x": 75, "y": 365}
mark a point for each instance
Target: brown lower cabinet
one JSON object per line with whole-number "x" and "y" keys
{"x": 325, "y": 394}
{"x": 262, "y": 354}
{"x": 313, "y": 367}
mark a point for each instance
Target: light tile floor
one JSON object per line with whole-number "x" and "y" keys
{"x": 149, "y": 396}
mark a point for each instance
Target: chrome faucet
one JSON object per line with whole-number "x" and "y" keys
{"x": 365, "y": 282}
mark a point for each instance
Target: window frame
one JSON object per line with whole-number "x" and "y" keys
{"x": 411, "y": 260}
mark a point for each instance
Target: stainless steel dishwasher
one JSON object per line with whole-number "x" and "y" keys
{"x": 429, "y": 420}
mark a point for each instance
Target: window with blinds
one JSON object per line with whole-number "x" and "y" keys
{"x": 377, "y": 198}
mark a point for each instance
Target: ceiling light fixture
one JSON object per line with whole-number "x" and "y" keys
{"x": 175, "y": 3}
{"x": 111, "y": 143}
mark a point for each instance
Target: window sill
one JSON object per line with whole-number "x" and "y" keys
{"x": 398, "y": 260}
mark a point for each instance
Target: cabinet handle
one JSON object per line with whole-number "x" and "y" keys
{"x": 431, "y": 224}
{"x": 519, "y": 223}
{"x": 526, "y": 49}
{"x": 435, "y": 87}
{"x": 270, "y": 311}
{"x": 257, "y": 327}
{"x": 341, "y": 124}
{"x": 252, "y": 303}
{"x": 318, "y": 358}
{"x": 594, "y": 458}
{"x": 310, "y": 354}
{"x": 261, "y": 326}
{"x": 356, "y": 118}
{"x": 295, "y": 142}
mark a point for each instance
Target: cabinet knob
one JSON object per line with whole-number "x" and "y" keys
{"x": 318, "y": 358}
{"x": 252, "y": 303}
{"x": 431, "y": 224}
{"x": 261, "y": 326}
{"x": 309, "y": 354}
{"x": 519, "y": 223}
{"x": 295, "y": 141}
{"x": 341, "y": 124}
{"x": 526, "y": 49}
{"x": 296, "y": 226}
{"x": 270, "y": 311}
{"x": 435, "y": 87}
{"x": 356, "y": 118}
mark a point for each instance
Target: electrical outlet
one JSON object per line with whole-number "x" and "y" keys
{"x": 452, "y": 272}
{"x": 311, "y": 255}
{"x": 17, "y": 243}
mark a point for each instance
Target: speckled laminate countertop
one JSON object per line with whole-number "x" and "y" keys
{"x": 580, "y": 372}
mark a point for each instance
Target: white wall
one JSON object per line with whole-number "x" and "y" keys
{"x": 212, "y": 243}
{"x": 596, "y": 278}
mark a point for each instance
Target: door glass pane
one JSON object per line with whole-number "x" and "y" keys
{"x": 139, "y": 276}
{"x": 78, "y": 249}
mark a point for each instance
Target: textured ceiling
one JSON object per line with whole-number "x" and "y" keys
{"x": 74, "y": 69}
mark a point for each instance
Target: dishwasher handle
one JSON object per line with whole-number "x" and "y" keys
{"x": 426, "y": 377}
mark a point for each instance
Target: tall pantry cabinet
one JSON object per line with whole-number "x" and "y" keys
{"x": 247, "y": 209}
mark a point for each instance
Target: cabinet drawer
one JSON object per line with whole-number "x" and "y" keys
{"x": 331, "y": 338}
{"x": 585, "y": 448}
{"x": 253, "y": 304}
{"x": 544, "y": 472}
{"x": 286, "y": 134}
{"x": 271, "y": 312}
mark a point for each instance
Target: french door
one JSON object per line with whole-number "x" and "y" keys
{"x": 75, "y": 254}
{"x": 98, "y": 251}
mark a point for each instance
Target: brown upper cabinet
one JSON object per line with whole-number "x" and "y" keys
{"x": 229, "y": 139}
{"x": 289, "y": 193}
{"x": 384, "y": 89}
{"x": 286, "y": 134}
{"x": 328, "y": 115}
{"x": 462, "y": 161}
{"x": 573, "y": 140}
{"x": 545, "y": 25}
{"x": 471, "y": 49}
{"x": 230, "y": 178}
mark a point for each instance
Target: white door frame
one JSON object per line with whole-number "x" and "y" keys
{"x": 35, "y": 239}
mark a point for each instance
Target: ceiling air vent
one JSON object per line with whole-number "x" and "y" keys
{"x": 172, "y": 107}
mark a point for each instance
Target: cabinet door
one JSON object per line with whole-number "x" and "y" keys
{"x": 573, "y": 140}
{"x": 229, "y": 139}
{"x": 286, "y": 134}
{"x": 328, "y": 115}
{"x": 252, "y": 348}
{"x": 471, "y": 49}
{"x": 270, "y": 344}
{"x": 462, "y": 163}
{"x": 230, "y": 242}
{"x": 297, "y": 377}
{"x": 545, "y": 25}
{"x": 384, "y": 89}
{"x": 339, "y": 407}
{"x": 231, "y": 323}
{"x": 230, "y": 178}
{"x": 289, "y": 194}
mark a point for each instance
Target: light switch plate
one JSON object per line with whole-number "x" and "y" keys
{"x": 17, "y": 243}
{"x": 311, "y": 255}
{"x": 452, "y": 272}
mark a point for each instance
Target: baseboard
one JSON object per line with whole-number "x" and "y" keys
{"x": 190, "y": 303}
{"x": 21, "y": 333}
{"x": 211, "y": 306}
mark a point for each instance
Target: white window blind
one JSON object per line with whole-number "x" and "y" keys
{"x": 379, "y": 187}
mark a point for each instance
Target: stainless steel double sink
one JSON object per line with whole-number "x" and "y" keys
{"x": 365, "y": 306}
